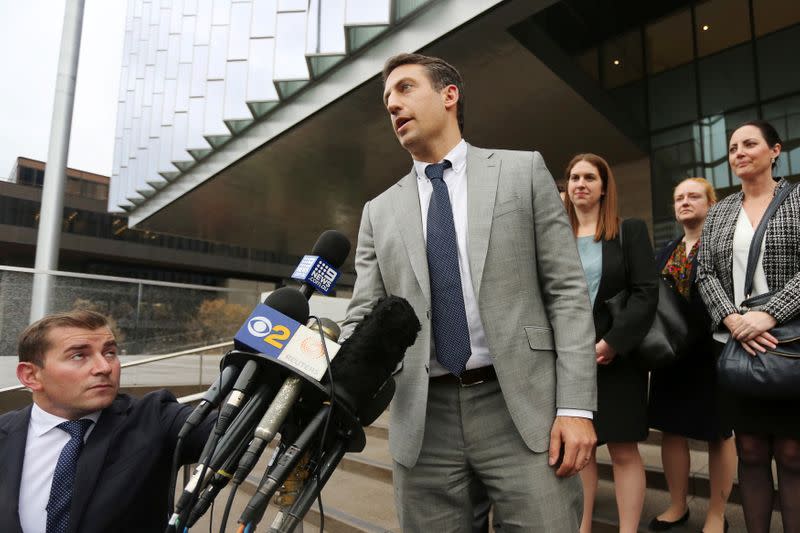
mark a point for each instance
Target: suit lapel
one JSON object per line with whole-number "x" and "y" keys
{"x": 482, "y": 179}
{"x": 92, "y": 459}
{"x": 409, "y": 224}
{"x": 12, "y": 444}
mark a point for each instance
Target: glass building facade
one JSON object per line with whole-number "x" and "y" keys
{"x": 687, "y": 73}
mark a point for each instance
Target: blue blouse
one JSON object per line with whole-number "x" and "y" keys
{"x": 591, "y": 253}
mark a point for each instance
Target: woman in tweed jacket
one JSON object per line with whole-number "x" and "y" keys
{"x": 764, "y": 429}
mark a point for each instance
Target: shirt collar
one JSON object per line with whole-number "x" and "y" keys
{"x": 457, "y": 157}
{"x": 42, "y": 421}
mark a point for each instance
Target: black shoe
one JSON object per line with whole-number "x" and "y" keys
{"x": 661, "y": 525}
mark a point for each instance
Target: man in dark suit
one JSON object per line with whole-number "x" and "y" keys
{"x": 502, "y": 375}
{"x": 83, "y": 458}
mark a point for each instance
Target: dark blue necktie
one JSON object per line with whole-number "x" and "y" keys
{"x": 64, "y": 476}
{"x": 449, "y": 316}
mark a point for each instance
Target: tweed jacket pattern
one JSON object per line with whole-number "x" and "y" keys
{"x": 781, "y": 258}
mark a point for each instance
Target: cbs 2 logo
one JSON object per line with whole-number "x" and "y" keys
{"x": 260, "y": 326}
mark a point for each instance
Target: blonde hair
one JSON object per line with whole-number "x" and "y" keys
{"x": 711, "y": 194}
{"x": 608, "y": 221}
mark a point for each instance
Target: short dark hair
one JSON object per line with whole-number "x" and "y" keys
{"x": 33, "y": 342}
{"x": 440, "y": 72}
{"x": 767, "y": 130}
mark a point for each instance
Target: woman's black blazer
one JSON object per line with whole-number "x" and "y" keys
{"x": 642, "y": 283}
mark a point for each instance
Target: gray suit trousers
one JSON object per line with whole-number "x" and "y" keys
{"x": 470, "y": 435}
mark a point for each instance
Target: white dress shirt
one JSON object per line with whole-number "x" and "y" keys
{"x": 742, "y": 237}
{"x": 456, "y": 180}
{"x": 42, "y": 450}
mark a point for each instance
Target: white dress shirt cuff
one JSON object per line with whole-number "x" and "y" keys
{"x": 580, "y": 413}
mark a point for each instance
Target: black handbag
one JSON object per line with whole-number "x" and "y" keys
{"x": 668, "y": 336}
{"x": 776, "y": 372}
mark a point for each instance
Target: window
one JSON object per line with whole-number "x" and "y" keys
{"x": 772, "y": 15}
{"x": 721, "y": 24}
{"x": 727, "y": 80}
{"x": 622, "y": 59}
{"x": 777, "y": 63}
{"x": 673, "y": 97}
{"x": 669, "y": 42}
{"x": 785, "y": 116}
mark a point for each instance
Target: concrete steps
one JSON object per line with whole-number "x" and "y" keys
{"x": 359, "y": 497}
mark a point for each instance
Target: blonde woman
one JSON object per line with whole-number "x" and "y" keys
{"x": 683, "y": 398}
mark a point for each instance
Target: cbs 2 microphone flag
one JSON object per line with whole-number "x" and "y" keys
{"x": 274, "y": 334}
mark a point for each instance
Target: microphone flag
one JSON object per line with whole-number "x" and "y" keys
{"x": 313, "y": 270}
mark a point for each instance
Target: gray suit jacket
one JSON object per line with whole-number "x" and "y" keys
{"x": 527, "y": 278}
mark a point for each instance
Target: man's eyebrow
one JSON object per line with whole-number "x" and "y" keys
{"x": 398, "y": 82}
{"x": 76, "y": 347}
{"x": 111, "y": 343}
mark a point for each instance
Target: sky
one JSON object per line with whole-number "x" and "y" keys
{"x": 30, "y": 39}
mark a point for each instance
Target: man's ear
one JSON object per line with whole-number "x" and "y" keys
{"x": 451, "y": 96}
{"x": 28, "y": 375}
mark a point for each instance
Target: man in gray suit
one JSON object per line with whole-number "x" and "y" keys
{"x": 504, "y": 367}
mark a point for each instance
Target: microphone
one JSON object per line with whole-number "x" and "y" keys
{"x": 363, "y": 365}
{"x": 286, "y": 306}
{"x": 273, "y": 419}
{"x": 211, "y": 399}
{"x": 317, "y": 271}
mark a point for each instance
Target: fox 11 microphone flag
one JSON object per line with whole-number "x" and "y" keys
{"x": 273, "y": 334}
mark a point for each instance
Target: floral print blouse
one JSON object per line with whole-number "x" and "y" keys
{"x": 679, "y": 267}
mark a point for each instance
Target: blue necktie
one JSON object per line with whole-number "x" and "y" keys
{"x": 64, "y": 476}
{"x": 449, "y": 316}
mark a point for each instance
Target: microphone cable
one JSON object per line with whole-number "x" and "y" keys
{"x": 318, "y": 458}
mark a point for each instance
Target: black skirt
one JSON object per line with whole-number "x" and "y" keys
{"x": 757, "y": 416}
{"x": 621, "y": 402}
{"x": 684, "y": 398}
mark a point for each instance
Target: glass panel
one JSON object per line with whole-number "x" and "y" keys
{"x": 772, "y": 15}
{"x": 673, "y": 97}
{"x": 292, "y": 5}
{"x": 199, "y": 71}
{"x": 367, "y": 12}
{"x": 203, "y": 30}
{"x": 785, "y": 116}
{"x": 217, "y": 55}
{"x": 631, "y": 97}
{"x": 589, "y": 64}
{"x": 264, "y": 12}
{"x": 777, "y": 63}
{"x": 221, "y": 13}
{"x": 187, "y": 39}
{"x": 721, "y": 24}
{"x": 290, "y": 47}
{"x": 622, "y": 59}
{"x": 727, "y": 80}
{"x": 259, "y": 79}
{"x": 326, "y": 27}
{"x": 675, "y": 156}
{"x": 669, "y": 42}
{"x": 235, "y": 91}
{"x": 715, "y": 155}
{"x": 239, "y": 41}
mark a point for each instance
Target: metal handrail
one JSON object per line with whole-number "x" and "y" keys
{"x": 134, "y": 281}
{"x": 153, "y": 359}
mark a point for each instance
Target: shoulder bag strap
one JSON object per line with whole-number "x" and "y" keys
{"x": 758, "y": 236}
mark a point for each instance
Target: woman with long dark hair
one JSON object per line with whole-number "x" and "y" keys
{"x": 764, "y": 429}
{"x": 683, "y": 397}
{"x": 616, "y": 257}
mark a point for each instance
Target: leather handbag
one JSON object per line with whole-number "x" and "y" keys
{"x": 668, "y": 336}
{"x": 776, "y": 372}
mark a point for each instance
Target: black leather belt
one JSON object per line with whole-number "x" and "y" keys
{"x": 468, "y": 378}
